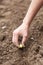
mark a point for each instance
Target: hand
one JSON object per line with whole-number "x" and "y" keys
{"x": 23, "y": 31}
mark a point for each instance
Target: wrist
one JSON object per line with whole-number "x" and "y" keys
{"x": 26, "y": 22}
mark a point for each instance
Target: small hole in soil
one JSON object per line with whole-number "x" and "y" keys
{"x": 37, "y": 49}
{"x": 41, "y": 29}
{"x": 42, "y": 54}
{"x": 1, "y": 16}
{"x": 2, "y": 37}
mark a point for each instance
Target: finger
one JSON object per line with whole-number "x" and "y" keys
{"x": 24, "y": 39}
{"x": 15, "y": 40}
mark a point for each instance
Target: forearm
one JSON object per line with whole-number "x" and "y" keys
{"x": 32, "y": 11}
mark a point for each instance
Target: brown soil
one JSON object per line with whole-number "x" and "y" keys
{"x": 12, "y": 13}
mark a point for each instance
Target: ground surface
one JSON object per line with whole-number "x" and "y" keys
{"x": 12, "y": 13}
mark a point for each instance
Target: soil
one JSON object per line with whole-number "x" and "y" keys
{"x": 12, "y": 13}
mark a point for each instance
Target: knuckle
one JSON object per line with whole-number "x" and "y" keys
{"x": 15, "y": 33}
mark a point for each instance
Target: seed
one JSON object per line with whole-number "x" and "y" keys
{"x": 21, "y": 46}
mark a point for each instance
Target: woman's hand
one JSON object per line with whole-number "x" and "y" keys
{"x": 23, "y": 31}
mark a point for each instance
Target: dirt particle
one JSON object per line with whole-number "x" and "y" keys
{"x": 1, "y": 58}
{"x": 7, "y": 58}
{"x": 4, "y": 27}
{"x": 4, "y": 53}
{"x": 10, "y": 51}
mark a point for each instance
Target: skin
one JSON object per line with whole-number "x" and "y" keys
{"x": 23, "y": 29}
